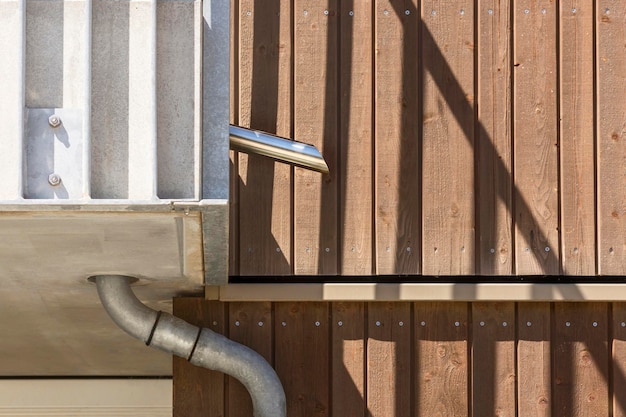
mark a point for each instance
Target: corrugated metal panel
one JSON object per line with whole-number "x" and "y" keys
{"x": 124, "y": 80}
{"x": 114, "y": 106}
{"x": 113, "y": 160}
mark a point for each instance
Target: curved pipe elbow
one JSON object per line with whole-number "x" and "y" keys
{"x": 130, "y": 314}
{"x": 200, "y": 346}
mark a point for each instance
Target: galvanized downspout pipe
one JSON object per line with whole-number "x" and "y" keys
{"x": 200, "y": 346}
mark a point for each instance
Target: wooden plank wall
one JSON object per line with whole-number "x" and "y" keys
{"x": 468, "y": 137}
{"x": 417, "y": 359}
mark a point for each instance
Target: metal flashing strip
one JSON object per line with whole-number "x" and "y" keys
{"x": 421, "y": 292}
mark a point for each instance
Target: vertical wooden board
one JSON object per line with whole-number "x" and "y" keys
{"x": 265, "y": 188}
{"x": 233, "y": 196}
{"x": 535, "y": 137}
{"x": 441, "y": 359}
{"x": 348, "y": 359}
{"x": 448, "y": 137}
{"x": 234, "y": 62}
{"x": 617, "y": 368}
{"x": 534, "y": 395}
{"x": 581, "y": 361}
{"x": 494, "y": 182}
{"x": 493, "y": 359}
{"x": 389, "y": 378}
{"x": 355, "y": 123}
{"x": 251, "y": 325}
{"x": 198, "y": 391}
{"x": 302, "y": 339}
{"x": 577, "y": 138}
{"x": 233, "y": 215}
{"x": 611, "y": 135}
{"x": 316, "y": 122}
{"x": 397, "y": 170}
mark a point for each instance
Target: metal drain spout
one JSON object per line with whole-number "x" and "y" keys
{"x": 277, "y": 148}
{"x": 200, "y": 346}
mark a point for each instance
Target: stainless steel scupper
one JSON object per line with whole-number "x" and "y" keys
{"x": 280, "y": 149}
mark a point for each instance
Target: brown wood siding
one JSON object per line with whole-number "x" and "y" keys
{"x": 471, "y": 137}
{"x": 417, "y": 359}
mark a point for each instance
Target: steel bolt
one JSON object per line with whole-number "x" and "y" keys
{"x": 54, "y": 179}
{"x": 54, "y": 120}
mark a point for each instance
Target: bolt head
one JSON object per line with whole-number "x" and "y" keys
{"x": 54, "y": 179}
{"x": 54, "y": 120}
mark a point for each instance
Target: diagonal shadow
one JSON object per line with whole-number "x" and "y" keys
{"x": 260, "y": 253}
{"x": 451, "y": 90}
{"x": 444, "y": 78}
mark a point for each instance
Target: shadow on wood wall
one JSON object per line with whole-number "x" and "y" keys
{"x": 292, "y": 222}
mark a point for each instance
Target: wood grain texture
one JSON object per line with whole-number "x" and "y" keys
{"x": 302, "y": 355}
{"x": 348, "y": 359}
{"x": 389, "y": 374}
{"x": 233, "y": 215}
{"x": 251, "y": 325}
{"x": 581, "y": 360}
{"x": 535, "y": 137}
{"x": 534, "y": 391}
{"x": 397, "y": 140}
{"x": 611, "y": 136}
{"x": 494, "y": 142}
{"x": 618, "y": 359}
{"x": 316, "y": 122}
{"x": 265, "y": 187}
{"x": 385, "y": 89}
{"x": 198, "y": 391}
{"x": 441, "y": 359}
{"x": 493, "y": 359}
{"x": 355, "y": 121}
{"x": 402, "y": 359}
{"x": 577, "y": 155}
{"x": 233, "y": 197}
{"x": 448, "y": 137}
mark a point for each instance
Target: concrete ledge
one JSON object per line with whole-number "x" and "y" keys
{"x": 419, "y": 292}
